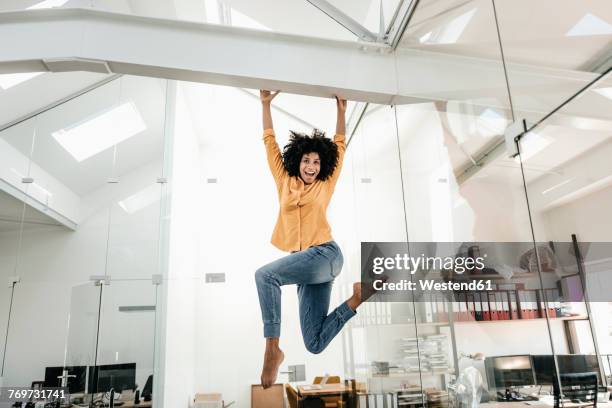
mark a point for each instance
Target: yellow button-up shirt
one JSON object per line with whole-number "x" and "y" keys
{"x": 302, "y": 219}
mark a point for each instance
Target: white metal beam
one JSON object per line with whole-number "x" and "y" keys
{"x": 344, "y": 20}
{"x": 85, "y": 39}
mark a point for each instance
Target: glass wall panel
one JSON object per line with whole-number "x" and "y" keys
{"x": 565, "y": 160}
{"x": 11, "y": 216}
{"x": 380, "y": 340}
{"x": 542, "y": 73}
{"x": 466, "y": 200}
{"x": 137, "y": 175}
{"x": 88, "y": 159}
{"x": 450, "y": 52}
{"x": 125, "y": 351}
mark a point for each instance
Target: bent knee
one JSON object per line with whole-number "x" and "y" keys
{"x": 314, "y": 347}
{"x": 260, "y": 275}
{"x": 263, "y": 275}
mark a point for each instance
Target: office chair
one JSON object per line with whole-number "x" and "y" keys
{"x": 577, "y": 386}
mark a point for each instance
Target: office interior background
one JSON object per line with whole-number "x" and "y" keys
{"x": 135, "y": 208}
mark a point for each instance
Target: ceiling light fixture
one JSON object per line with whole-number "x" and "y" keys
{"x": 10, "y": 80}
{"x": 94, "y": 135}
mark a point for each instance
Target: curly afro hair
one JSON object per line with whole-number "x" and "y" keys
{"x": 301, "y": 144}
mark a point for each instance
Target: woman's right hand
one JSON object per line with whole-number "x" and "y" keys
{"x": 267, "y": 96}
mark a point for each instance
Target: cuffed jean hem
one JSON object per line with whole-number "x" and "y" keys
{"x": 272, "y": 329}
{"x": 345, "y": 312}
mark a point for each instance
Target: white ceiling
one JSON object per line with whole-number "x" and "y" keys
{"x": 532, "y": 32}
{"x": 531, "y": 37}
{"x": 148, "y": 95}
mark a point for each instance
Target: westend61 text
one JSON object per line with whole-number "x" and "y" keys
{"x": 430, "y": 284}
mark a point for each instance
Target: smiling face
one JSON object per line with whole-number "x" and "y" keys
{"x": 310, "y": 166}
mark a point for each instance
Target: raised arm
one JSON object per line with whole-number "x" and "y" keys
{"x": 340, "y": 116}
{"x": 340, "y": 137}
{"x": 266, "y": 102}
{"x": 275, "y": 159}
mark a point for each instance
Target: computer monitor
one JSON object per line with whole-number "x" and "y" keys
{"x": 509, "y": 371}
{"x": 579, "y": 363}
{"x": 116, "y": 376}
{"x": 75, "y": 384}
{"x": 544, "y": 367}
{"x": 568, "y": 364}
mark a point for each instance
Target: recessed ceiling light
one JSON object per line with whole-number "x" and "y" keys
{"x": 590, "y": 25}
{"x": 94, "y": 135}
{"x": 141, "y": 199}
{"x": 607, "y": 92}
{"x": 10, "y": 80}
{"x": 48, "y": 4}
{"x": 451, "y": 32}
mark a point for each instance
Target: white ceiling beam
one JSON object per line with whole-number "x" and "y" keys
{"x": 85, "y": 39}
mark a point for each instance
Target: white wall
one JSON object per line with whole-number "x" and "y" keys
{"x": 179, "y": 345}
{"x": 588, "y": 217}
{"x": 234, "y": 219}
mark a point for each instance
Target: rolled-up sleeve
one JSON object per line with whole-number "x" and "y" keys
{"x": 340, "y": 141}
{"x": 275, "y": 159}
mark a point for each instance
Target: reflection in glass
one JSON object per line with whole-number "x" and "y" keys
{"x": 566, "y": 183}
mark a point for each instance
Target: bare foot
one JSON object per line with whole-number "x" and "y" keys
{"x": 355, "y": 300}
{"x": 273, "y": 358}
{"x": 362, "y": 292}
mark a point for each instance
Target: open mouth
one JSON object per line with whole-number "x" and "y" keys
{"x": 309, "y": 174}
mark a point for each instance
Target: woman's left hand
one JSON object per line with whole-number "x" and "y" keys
{"x": 340, "y": 104}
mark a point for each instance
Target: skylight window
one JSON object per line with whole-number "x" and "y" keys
{"x": 242, "y": 20}
{"x": 451, "y": 32}
{"x": 10, "y": 80}
{"x": 491, "y": 123}
{"x": 607, "y": 92}
{"x": 590, "y": 25}
{"x": 48, "y": 4}
{"x": 94, "y": 135}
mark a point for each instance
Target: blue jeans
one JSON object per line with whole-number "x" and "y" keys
{"x": 313, "y": 271}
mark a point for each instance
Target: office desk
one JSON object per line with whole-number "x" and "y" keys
{"x": 130, "y": 404}
{"x": 322, "y": 390}
{"x": 535, "y": 404}
{"x": 143, "y": 404}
